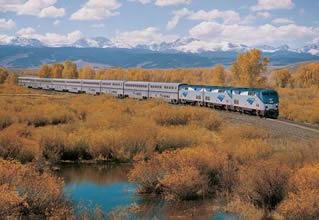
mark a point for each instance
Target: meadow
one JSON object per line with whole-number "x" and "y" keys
{"x": 178, "y": 153}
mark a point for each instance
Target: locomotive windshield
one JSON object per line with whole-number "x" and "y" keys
{"x": 270, "y": 97}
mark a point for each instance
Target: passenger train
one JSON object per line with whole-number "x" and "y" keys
{"x": 260, "y": 102}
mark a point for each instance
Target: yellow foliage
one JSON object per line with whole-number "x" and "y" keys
{"x": 281, "y": 77}
{"x": 300, "y": 104}
{"x": 186, "y": 173}
{"x": 307, "y": 75}
{"x": 87, "y": 72}
{"x": 24, "y": 190}
{"x": 70, "y": 70}
{"x": 3, "y": 75}
{"x": 57, "y": 70}
{"x": 264, "y": 183}
{"x": 247, "y": 68}
{"x": 45, "y": 71}
{"x": 303, "y": 199}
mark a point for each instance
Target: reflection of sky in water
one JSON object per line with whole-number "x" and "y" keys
{"x": 106, "y": 187}
{"x": 107, "y": 197}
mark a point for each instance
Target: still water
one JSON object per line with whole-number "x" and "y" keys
{"x": 107, "y": 187}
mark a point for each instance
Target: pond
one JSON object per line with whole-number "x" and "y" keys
{"x": 107, "y": 187}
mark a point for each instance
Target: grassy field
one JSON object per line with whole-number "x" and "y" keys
{"x": 179, "y": 153}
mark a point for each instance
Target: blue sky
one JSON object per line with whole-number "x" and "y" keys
{"x": 131, "y": 22}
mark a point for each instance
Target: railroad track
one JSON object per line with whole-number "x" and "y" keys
{"x": 308, "y": 127}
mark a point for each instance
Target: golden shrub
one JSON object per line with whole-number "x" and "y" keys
{"x": 245, "y": 209}
{"x": 303, "y": 205}
{"x": 11, "y": 202}
{"x": 250, "y": 150}
{"x": 31, "y": 192}
{"x": 264, "y": 183}
{"x": 303, "y": 198}
{"x": 210, "y": 172}
{"x": 5, "y": 119}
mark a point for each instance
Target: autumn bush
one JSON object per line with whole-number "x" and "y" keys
{"x": 264, "y": 183}
{"x": 5, "y": 119}
{"x": 302, "y": 201}
{"x": 300, "y": 104}
{"x": 26, "y": 191}
{"x": 186, "y": 173}
{"x": 48, "y": 114}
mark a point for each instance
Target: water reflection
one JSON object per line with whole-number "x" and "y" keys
{"x": 107, "y": 187}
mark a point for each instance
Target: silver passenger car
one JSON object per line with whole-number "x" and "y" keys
{"x": 113, "y": 87}
{"x": 91, "y": 86}
{"x": 165, "y": 91}
{"x": 137, "y": 90}
{"x": 58, "y": 84}
{"x": 73, "y": 85}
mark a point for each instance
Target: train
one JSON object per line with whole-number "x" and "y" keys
{"x": 260, "y": 102}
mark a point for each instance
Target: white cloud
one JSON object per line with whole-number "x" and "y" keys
{"x": 148, "y": 35}
{"x": 228, "y": 16}
{"x": 163, "y": 3}
{"x": 171, "y": 2}
{"x": 282, "y": 21}
{"x": 52, "y": 11}
{"x": 5, "y": 39}
{"x": 243, "y": 34}
{"x": 96, "y": 10}
{"x": 26, "y": 32}
{"x": 263, "y": 14}
{"x": 7, "y": 24}
{"x": 272, "y": 4}
{"x": 39, "y": 8}
{"x": 176, "y": 18}
{"x": 50, "y": 39}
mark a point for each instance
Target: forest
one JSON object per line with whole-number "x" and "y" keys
{"x": 178, "y": 153}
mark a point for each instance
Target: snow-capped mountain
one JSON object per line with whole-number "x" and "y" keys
{"x": 187, "y": 45}
{"x": 96, "y": 42}
{"x": 21, "y": 41}
{"x": 312, "y": 49}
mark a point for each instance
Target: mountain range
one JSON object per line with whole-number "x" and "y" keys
{"x": 19, "y": 52}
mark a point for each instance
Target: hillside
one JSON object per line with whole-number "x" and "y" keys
{"x": 28, "y": 57}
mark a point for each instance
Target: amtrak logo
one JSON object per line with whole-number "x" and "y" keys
{"x": 185, "y": 94}
{"x": 221, "y": 97}
{"x": 250, "y": 101}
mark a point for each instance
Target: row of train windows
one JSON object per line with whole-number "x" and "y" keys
{"x": 110, "y": 84}
{"x": 136, "y": 85}
{"x": 156, "y": 87}
{"x": 169, "y": 87}
{"x": 91, "y": 83}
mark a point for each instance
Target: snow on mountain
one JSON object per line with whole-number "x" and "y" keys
{"x": 198, "y": 46}
{"x": 312, "y": 49}
{"x": 187, "y": 45}
{"x": 96, "y": 42}
{"x": 21, "y": 41}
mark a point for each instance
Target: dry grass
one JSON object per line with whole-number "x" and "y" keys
{"x": 180, "y": 153}
{"x": 300, "y": 104}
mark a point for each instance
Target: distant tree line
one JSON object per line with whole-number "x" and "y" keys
{"x": 248, "y": 70}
